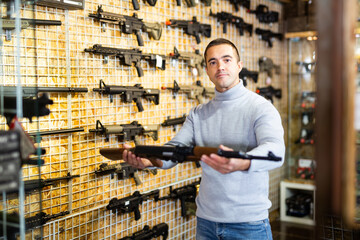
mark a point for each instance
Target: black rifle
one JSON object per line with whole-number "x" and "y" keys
{"x": 194, "y": 60}
{"x": 174, "y": 121}
{"x": 13, "y": 222}
{"x": 127, "y": 132}
{"x": 264, "y": 15}
{"x": 225, "y": 18}
{"x": 184, "y": 194}
{"x": 41, "y": 218}
{"x": 267, "y": 35}
{"x": 130, "y": 93}
{"x": 36, "y": 184}
{"x": 245, "y": 73}
{"x": 193, "y": 27}
{"x": 269, "y": 92}
{"x": 161, "y": 229}
{"x": 129, "y": 24}
{"x": 307, "y": 65}
{"x": 32, "y": 107}
{"x": 131, "y": 203}
{"x": 123, "y": 171}
{"x": 180, "y": 154}
{"x": 11, "y": 91}
{"x": 237, "y": 3}
{"x": 267, "y": 65}
{"x": 8, "y": 24}
{"x": 129, "y": 56}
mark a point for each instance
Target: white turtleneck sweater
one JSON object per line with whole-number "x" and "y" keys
{"x": 243, "y": 120}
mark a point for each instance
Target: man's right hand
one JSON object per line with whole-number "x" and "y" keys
{"x": 139, "y": 162}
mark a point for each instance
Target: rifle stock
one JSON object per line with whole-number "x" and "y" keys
{"x": 180, "y": 154}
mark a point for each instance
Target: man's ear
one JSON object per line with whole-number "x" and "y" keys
{"x": 240, "y": 64}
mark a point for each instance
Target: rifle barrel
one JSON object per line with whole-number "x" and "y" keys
{"x": 61, "y": 131}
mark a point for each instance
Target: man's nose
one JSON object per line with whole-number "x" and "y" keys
{"x": 221, "y": 65}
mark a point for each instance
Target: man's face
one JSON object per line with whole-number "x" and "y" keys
{"x": 223, "y": 67}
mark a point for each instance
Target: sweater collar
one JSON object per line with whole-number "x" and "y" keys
{"x": 233, "y": 93}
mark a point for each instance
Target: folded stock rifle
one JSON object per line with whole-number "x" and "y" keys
{"x": 129, "y": 24}
{"x": 128, "y": 57}
{"x": 127, "y": 132}
{"x": 192, "y": 27}
{"x": 179, "y": 153}
{"x": 130, "y": 93}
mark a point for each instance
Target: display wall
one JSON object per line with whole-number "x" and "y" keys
{"x": 55, "y": 56}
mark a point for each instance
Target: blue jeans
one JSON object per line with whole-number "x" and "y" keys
{"x": 208, "y": 230}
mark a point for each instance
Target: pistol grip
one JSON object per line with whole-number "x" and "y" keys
{"x": 225, "y": 27}
{"x": 139, "y": 38}
{"x": 139, "y": 104}
{"x": 139, "y": 70}
{"x": 136, "y": 4}
{"x": 197, "y": 37}
{"x": 137, "y": 179}
{"x": 183, "y": 206}
{"x": 137, "y": 213}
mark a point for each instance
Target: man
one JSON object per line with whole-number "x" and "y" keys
{"x": 233, "y": 198}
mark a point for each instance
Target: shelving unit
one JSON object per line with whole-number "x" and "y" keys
{"x": 289, "y": 188}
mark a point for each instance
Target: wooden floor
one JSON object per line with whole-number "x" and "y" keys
{"x": 291, "y": 231}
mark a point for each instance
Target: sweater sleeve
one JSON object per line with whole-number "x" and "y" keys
{"x": 269, "y": 134}
{"x": 185, "y": 137}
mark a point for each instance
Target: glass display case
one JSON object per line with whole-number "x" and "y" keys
{"x": 297, "y": 192}
{"x": 301, "y": 103}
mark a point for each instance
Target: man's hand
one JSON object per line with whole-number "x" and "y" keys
{"x": 226, "y": 165}
{"x": 138, "y": 162}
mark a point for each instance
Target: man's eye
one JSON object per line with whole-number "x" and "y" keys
{"x": 227, "y": 60}
{"x": 212, "y": 63}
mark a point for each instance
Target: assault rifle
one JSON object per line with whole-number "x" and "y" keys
{"x": 127, "y": 132}
{"x": 269, "y": 92}
{"x": 264, "y": 15}
{"x": 13, "y": 220}
{"x": 267, "y": 65}
{"x": 129, "y": 56}
{"x": 193, "y": 27}
{"x": 136, "y": 5}
{"x": 180, "y": 154}
{"x": 195, "y": 60}
{"x": 32, "y": 107}
{"x": 245, "y": 73}
{"x": 36, "y": 184}
{"x": 237, "y": 3}
{"x": 184, "y": 194}
{"x": 161, "y": 229}
{"x": 130, "y": 93}
{"x": 225, "y": 18}
{"x": 11, "y": 91}
{"x": 267, "y": 35}
{"x": 174, "y": 121}
{"x": 8, "y": 24}
{"x": 131, "y": 203}
{"x": 193, "y": 91}
{"x": 128, "y": 24}
{"x": 307, "y": 65}
{"x": 42, "y": 218}
{"x": 123, "y": 171}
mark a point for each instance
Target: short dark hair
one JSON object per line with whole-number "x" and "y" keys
{"x": 219, "y": 41}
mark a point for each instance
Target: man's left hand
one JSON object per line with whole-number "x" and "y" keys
{"x": 226, "y": 165}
